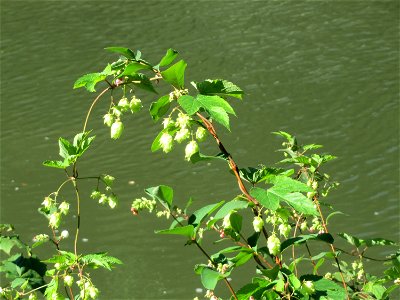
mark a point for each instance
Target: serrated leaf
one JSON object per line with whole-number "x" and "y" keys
{"x": 189, "y": 104}
{"x": 366, "y": 242}
{"x": 288, "y": 184}
{"x": 57, "y": 163}
{"x": 168, "y": 57}
{"x": 101, "y": 259}
{"x": 9, "y": 242}
{"x": 66, "y": 148}
{"x": 220, "y": 115}
{"x": 266, "y": 198}
{"x": 296, "y": 200}
{"x": 219, "y": 87}
{"x": 175, "y": 74}
{"x": 187, "y": 231}
{"x": 89, "y": 81}
{"x": 164, "y": 194}
{"x": 325, "y": 237}
{"x": 128, "y": 53}
{"x": 159, "y": 108}
{"x": 209, "y": 102}
{"x": 233, "y": 205}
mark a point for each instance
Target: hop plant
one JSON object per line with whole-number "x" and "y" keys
{"x": 135, "y": 105}
{"x": 308, "y": 287}
{"x": 64, "y": 207}
{"x": 273, "y": 244}
{"x": 68, "y": 280}
{"x": 258, "y": 224}
{"x": 166, "y": 142}
{"x": 201, "y": 134}
{"x": 55, "y": 220}
{"x": 182, "y": 135}
{"x": 112, "y": 201}
{"x": 167, "y": 122}
{"x": 182, "y": 121}
{"x": 108, "y": 119}
{"x": 47, "y": 202}
{"x": 116, "y": 129}
{"x": 284, "y": 229}
{"x": 191, "y": 149}
{"x": 123, "y": 104}
{"x": 108, "y": 179}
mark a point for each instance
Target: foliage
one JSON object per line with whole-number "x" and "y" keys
{"x": 287, "y": 202}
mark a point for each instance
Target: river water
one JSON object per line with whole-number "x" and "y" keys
{"x": 327, "y": 71}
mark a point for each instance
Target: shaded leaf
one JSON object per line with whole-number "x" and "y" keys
{"x": 164, "y": 194}
{"x": 187, "y": 231}
{"x": 168, "y": 57}
{"x": 128, "y": 53}
{"x": 325, "y": 237}
{"x": 219, "y": 87}
{"x": 160, "y": 107}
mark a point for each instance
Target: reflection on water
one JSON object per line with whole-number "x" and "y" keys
{"x": 325, "y": 71}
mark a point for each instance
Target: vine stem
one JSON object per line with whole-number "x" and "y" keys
{"x": 235, "y": 169}
{"x": 93, "y": 104}
{"x": 208, "y": 257}
{"x": 78, "y": 215}
{"x": 331, "y": 245}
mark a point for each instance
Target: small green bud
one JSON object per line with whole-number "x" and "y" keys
{"x": 112, "y": 201}
{"x": 166, "y": 142}
{"x": 303, "y": 226}
{"x": 116, "y": 129}
{"x": 117, "y": 112}
{"x": 284, "y": 229}
{"x": 273, "y": 244}
{"x": 64, "y": 207}
{"x": 258, "y": 224}
{"x": 68, "y": 280}
{"x": 308, "y": 287}
{"x": 135, "y": 104}
{"x": 47, "y": 202}
{"x": 201, "y": 134}
{"x": 315, "y": 185}
{"x": 226, "y": 223}
{"x": 57, "y": 266}
{"x": 182, "y": 135}
{"x": 32, "y": 296}
{"x": 108, "y": 119}
{"x": 310, "y": 195}
{"x": 95, "y": 195}
{"x": 41, "y": 237}
{"x": 103, "y": 199}
{"x": 191, "y": 149}
{"x": 108, "y": 179}
{"x": 55, "y": 220}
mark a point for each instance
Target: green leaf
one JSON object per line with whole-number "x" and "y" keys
{"x": 51, "y": 288}
{"x": 164, "y": 194}
{"x": 367, "y": 242}
{"x": 230, "y": 206}
{"x": 236, "y": 221}
{"x": 57, "y": 163}
{"x": 168, "y": 57}
{"x": 271, "y": 273}
{"x": 210, "y": 278}
{"x": 175, "y": 74}
{"x": 242, "y": 257}
{"x": 288, "y": 184}
{"x": 128, "y": 53}
{"x": 210, "y": 102}
{"x": 189, "y": 104}
{"x": 325, "y": 237}
{"x": 220, "y": 115}
{"x": 297, "y": 200}
{"x": 66, "y": 148}
{"x": 197, "y": 157}
{"x": 133, "y": 67}
{"x": 311, "y": 147}
{"x": 101, "y": 259}
{"x": 142, "y": 81}
{"x": 294, "y": 281}
{"x": 265, "y": 197}
{"x": 187, "y": 231}
{"x": 199, "y": 215}
{"x": 219, "y": 87}
{"x": 159, "y": 108}
{"x": 156, "y": 143}
{"x": 82, "y": 142}
{"x": 89, "y": 81}
{"x": 9, "y": 242}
